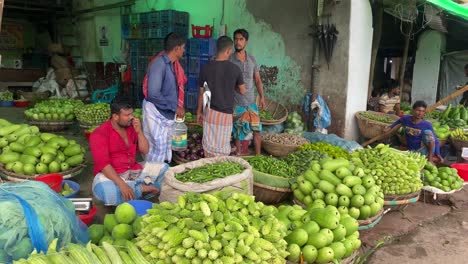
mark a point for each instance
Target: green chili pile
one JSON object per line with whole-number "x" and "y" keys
{"x": 332, "y": 151}
{"x": 273, "y": 166}
{"x": 210, "y": 172}
{"x": 301, "y": 159}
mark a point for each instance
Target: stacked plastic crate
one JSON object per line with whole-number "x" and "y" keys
{"x": 145, "y": 33}
{"x": 200, "y": 52}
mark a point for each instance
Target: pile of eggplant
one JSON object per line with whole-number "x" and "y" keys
{"x": 195, "y": 150}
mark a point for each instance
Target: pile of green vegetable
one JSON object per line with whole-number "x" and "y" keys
{"x": 301, "y": 159}
{"x": 444, "y": 178}
{"x": 6, "y": 96}
{"x": 321, "y": 235}
{"x": 54, "y": 109}
{"x": 376, "y": 117}
{"x": 210, "y": 172}
{"x": 138, "y": 113}
{"x": 294, "y": 124}
{"x": 396, "y": 172}
{"x": 124, "y": 224}
{"x": 26, "y": 151}
{"x": 93, "y": 114}
{"x": 338, "y": 183}
{"x": 327, "y": 148}
{"x": 213, "y": 228}
{"x": 273, "y": 166}
{"x": 266, "y": 115}
{"x": 89, "y": 254}
{"x": 454, "y": 116}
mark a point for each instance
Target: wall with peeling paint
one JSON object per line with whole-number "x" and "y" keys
{"x": 279, "y": 37}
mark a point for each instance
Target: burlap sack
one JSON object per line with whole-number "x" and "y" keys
{"x": 172, "y": 188}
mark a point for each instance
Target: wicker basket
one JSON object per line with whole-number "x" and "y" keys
{"x": 371, "y": 128}
{"x": 371, "y": 222}
{"x": 14, "y": 177}
{"x": 277, "y": 149}
{"x": 32, "y": 96}
{"x": 398, "y": 202}
{"x": 459, "y": 144}
{"x": 50, "y": 126}
{"x": 279, "y": 112}
{"x": 270, "y": 195}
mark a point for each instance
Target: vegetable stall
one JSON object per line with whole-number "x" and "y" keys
{"x": 304, "y": 200}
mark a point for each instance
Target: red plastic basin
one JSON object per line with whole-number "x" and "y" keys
{"x": 21, "y": 103}
{"x": 88, "y": 218}
{"x": 462, "y": 169}
{"x": 54, "y": 181}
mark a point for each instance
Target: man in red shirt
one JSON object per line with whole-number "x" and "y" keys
{"x": 118, "y": 177}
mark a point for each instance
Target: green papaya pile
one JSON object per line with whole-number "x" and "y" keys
{"x": 454, "y": 116}
{"x": 26, "y": 151}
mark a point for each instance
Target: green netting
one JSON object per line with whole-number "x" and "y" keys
{"x": 452, "y": 7}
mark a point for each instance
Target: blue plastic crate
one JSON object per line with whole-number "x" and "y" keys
{"x": 196, "y": 63}
{"x": 192, "y": 83}
{"x": 182, "y": 30}
{"x": 202, "y": 47}
{"x": 191, "y": 100}
{"x": 144, "y": 31}
{"x": 144, "y": 17}
{"x": 125, "y": 32}
{"x": 154, "y": 17}
{"x": 134, "y": 18}
{"x": 125, "y": 20}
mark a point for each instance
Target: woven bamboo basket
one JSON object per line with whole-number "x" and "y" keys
{"x": 459, "y": 144}
{"x": 279, "y": 112}
{"x": 277, "y": 149}
{"x": 32, "y": 96}
{"x": 371, "y": 222}
{"x": 347, "y": 260}
{"x": 51, "y": 126}
{"x": 371, "y": 128}
{"x": 14, "y": 177}
{"x": 270, "y": 195}
{"x": 397, "y": 202}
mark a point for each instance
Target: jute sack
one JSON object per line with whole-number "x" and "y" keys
{"x": 172, "y": 188}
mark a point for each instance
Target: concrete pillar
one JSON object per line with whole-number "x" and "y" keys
{"x": 431, "y": 44}
{"x": 360, "y": 46}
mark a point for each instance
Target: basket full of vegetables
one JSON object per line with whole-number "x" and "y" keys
{"x": 372, "y": 123}
{"x": 282, "y": 144}
{"x": 273, "y": 113}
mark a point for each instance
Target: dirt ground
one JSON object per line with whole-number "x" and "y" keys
{"x": 442, "y": 241}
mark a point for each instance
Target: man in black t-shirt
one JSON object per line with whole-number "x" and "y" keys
{"x": 223, "y": 78}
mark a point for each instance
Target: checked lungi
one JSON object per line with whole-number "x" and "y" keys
{"x": 217, "y": 129}
{"x": 158, "y": 132}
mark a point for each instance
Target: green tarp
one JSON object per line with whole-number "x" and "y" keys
{"x": 451, "y": 7}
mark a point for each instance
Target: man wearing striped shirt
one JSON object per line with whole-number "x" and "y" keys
{"x": 389, "y": 102}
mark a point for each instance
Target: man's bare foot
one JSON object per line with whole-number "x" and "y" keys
{"x": 149, "y": 189}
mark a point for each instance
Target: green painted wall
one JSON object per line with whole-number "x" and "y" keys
{"x": 265, "y": 44}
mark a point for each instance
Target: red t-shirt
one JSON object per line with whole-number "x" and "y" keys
{"x": 108, "y": 147}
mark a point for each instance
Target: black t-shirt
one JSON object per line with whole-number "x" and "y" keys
{"x": 222, "y": 78}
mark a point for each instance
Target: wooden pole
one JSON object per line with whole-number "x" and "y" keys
{"x": 401, "y": 76}
{"x": 378, "y": 19}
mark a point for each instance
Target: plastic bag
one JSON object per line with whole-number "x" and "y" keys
{"x": 272, "y": 129}
{"x": 32, "y": 216}
{"x": 322, "y": 115}
{"x": 332, "y": 139}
